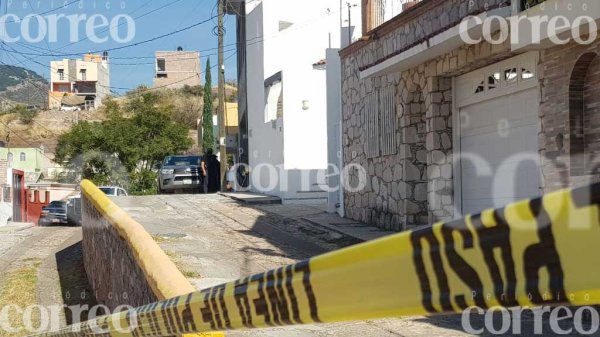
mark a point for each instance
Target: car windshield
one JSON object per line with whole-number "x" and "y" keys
{"x": 108, "y": 190}
{"x": 57, "y": 204}
{"x": 182, "y": 161}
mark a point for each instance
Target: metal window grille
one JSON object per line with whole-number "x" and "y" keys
{"x": 380, "y": 123}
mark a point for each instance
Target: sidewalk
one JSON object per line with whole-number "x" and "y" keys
{"x": 313, "y": 214}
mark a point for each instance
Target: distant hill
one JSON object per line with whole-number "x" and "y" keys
{"x": 22, "y": 86}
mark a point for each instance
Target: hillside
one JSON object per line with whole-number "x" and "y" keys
{"x": 45, "y": 129}
{"x": 22, "y": 86}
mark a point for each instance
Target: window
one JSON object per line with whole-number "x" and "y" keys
{"x": 380, "y": 108}
{"x": 493, "y": 81}
{"x": 480, "y": 87}
{"x": 61, "y": 74}
{"x": 161, "y": 65}
{"x": 372, "y": 125}
{"x": 23, "y": 156}
{"x": 510, "y": 76}
{"x": 161, "y": 75}
{"x": 273, "y": 98}
{"x": 526, "y": 74}
{"x": 83, "y": 74}
{"x": 387, "y": 108}
{"x": 64, "y": 88}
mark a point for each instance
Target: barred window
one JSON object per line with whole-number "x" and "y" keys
{"x": 372, "y": 124}
{"x": 387, "y": 108}
{"x": 380, "y": 123}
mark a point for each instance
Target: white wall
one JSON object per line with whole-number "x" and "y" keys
{"x": 335, "y": 196}
{"x": 298, "y": 141}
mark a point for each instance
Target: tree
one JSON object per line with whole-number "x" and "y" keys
{"x": 26, "y": 116}
{"x": 111, "y": 108}
{"x": 208, "y": 138}
{"x": 124, "y": 151}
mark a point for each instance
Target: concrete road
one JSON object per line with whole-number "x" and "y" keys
{"x": 215, "y": 240}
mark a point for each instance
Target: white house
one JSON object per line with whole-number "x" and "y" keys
{"x": 292, "y": 68}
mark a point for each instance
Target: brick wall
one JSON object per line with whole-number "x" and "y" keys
{"x": 115, "y": 277}
{"x": 570, "y": 128}
{"x": 182, "y": 68}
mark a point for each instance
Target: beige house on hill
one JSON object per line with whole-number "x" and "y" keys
{"x": 176, "y": 69}
{"x": 86, "y": 80}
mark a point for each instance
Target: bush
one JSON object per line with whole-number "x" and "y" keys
{"x": 26, "y": 116}
{"x": 196, "y": 90}
{"x": 143, "y": 182}
{"x": 187, "y": 111}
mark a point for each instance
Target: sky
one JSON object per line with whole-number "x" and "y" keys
{"x": 48, "y": 33}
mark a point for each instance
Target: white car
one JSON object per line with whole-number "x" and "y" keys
{"x": 113, "y": 191}
{"x": 70, "y": 108}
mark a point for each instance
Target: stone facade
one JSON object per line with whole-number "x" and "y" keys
{"x": 570, "y": 110}
{"x": 115, "y": 277}
{"x": 414, "y": 186}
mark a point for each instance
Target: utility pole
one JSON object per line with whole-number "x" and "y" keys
{"x": 221, "y": 96}
{"x": 350, "y": 21}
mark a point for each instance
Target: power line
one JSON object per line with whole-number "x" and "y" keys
{"x": 129, "y": 45}
{"x": 109, "y": 87}
{"x": 43, "y": 13}
{"x": 251, "y": 41}
{"x": 122, "y": 23}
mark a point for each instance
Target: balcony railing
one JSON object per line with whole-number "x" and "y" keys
{"x": 384, "y": 10}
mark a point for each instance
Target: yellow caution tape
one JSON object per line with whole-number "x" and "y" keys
{"x": 530, "y": 253}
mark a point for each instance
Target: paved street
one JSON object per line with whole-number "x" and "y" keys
{"x": 212, "y": 239}
{"x": 215, "y": 240}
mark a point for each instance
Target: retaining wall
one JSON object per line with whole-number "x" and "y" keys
{"x": 124, "y": 265}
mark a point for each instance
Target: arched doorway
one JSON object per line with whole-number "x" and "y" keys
{"x": 584, "y": 116}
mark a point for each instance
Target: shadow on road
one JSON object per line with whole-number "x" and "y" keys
{"x": 75, "y": 288}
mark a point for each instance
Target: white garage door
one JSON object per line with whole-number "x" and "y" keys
{"x": 499, "y": 126}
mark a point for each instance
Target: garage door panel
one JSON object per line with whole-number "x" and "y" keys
{"x": 503, "y": 133}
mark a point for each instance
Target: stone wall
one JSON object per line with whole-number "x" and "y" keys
{"x": 569, "y": 138}
{"x": 414, "y": 186}
{"x": 113, "y": 273}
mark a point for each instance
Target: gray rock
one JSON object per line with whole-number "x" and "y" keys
{"x": 446, "y": 171}
{"x": 411, "y": 207}
{"x": 411, "y": 172}
{"x": 438, "y": 157}
{"x": 421, "y": 192}
{"x": 397, "y": 172}
{"x": 433, "y": 172}
{"x": 388, "y": 175}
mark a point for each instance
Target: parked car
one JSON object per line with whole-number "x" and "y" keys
{"x": 70, "y": 108}
{"x": 54, "y": 214}
{"x": 113, "y": 191}
{"x": 180, "y": 173}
